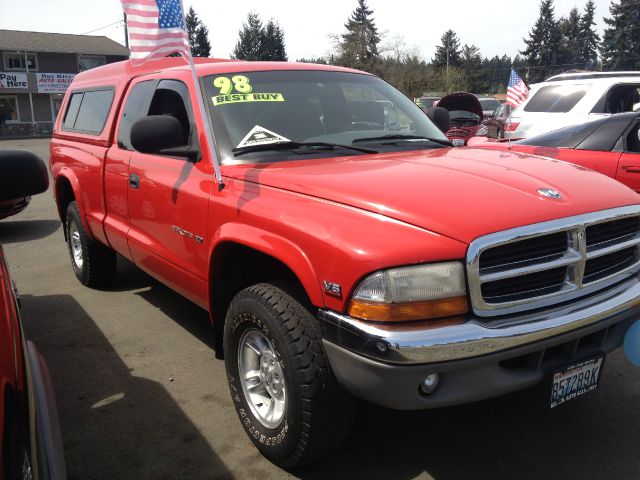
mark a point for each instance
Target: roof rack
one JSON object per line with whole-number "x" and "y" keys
{"x": 590, "y": 76}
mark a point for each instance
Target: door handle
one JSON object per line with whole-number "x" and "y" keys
{"x": 632, "y": 169}
{"x": 134, "y": 181}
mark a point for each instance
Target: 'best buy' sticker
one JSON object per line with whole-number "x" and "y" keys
{"x": 247, "y": 97}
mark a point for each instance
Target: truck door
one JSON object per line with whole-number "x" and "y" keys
{"x": 168, "y": 200}
{"x": 116, "y": 171}
{"x": 629, "y": 168}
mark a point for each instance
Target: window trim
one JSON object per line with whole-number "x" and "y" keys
{"x": 17, "y": 108}
{"x": 83, "y": 91}
{"x": 5, "y": 63}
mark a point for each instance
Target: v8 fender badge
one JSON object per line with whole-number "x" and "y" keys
{"x": 332, "y": 288}
{"x": 550, "y": 193}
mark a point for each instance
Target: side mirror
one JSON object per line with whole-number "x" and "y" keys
{"x": 440, "y": 117}
{"x": 161, "y": 135}
{"x": 22, "y": 174}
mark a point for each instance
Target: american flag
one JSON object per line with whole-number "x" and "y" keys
{"x": 517, "y": 91}
{"x": 156, "y": 29}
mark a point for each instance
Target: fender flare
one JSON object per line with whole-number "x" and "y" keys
{"x": 273, "y": 245}
{"x": 68, "y": 174}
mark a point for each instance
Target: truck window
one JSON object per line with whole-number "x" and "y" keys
{"x": 88, "y": 111}
{"x": 153, "y": 97}
{"x": 72, "y": 111}
{"x": 137, "y": 106}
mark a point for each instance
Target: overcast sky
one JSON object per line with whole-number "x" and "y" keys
{"x": 495, "y": 27}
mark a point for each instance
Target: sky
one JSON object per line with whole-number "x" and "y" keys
{"x": 421, "y": 23}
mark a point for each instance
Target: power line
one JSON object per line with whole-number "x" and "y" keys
{"x": 102, "y": 28}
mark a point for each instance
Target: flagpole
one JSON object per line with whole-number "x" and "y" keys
{"x": 211, "y": 142}
{"x": 211, "y": 139}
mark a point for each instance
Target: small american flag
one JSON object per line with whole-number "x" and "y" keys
{"x": 156, "y": 29}
{"x": 517, "y": 91}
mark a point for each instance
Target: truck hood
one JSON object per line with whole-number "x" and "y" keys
{"x": 462, "y": 193}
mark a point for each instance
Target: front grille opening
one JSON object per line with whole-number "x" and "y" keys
{"x": 601, "y": 267}
{"x": 533, "y": 250}
{"x": 525, "y": 286}
{"x": 615, "y": 231}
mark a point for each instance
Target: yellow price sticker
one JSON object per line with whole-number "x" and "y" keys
{"x": 240, "y": 83}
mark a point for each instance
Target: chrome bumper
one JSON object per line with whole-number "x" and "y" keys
{"x": 409, "y": 344}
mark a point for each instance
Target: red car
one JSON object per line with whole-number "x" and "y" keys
{"x": 609, "y": 145}
{"x": 349, "y": 251}
{"x": 30, "y": 439}
{"x": 466, "y": 115}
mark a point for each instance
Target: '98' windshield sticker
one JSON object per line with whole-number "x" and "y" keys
{"x": 243, "y": 91}
{"x": 261, "y": 136}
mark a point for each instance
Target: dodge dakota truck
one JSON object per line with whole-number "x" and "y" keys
{"x": 349, "y": 251}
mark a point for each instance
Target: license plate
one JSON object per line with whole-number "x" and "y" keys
{"x": 574, "y": 380}
{"x": 458, "y": 142}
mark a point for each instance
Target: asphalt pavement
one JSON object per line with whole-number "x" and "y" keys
{"x": 141, "y": 396}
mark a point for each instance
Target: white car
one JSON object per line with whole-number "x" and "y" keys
{"x": 573, "y": 98}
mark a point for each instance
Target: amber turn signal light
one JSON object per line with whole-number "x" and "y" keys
{"x": 402, "y": 312}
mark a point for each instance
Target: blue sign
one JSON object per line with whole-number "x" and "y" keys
{"x": 632, "y": 344}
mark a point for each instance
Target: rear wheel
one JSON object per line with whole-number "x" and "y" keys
{"x": 93, "y": 263}
{"x": 281, "y": 383}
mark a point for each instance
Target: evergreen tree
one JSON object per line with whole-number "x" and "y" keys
{"x": 198, "y": 34}
{"x": 543, "y": 45}
{"x": 449, "y": 52}
{"x": 471, "y": 65}
{"x": 570, "y": 40}
{"x": 249, "y": 46}
{"x": 359, "y": 45}
{"x": 588, "y": 45}
{"x": 272, "y": 47}
{"x": 621, "y": 41}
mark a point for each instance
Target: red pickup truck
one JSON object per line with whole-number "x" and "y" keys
{"x": 351, "y": 250}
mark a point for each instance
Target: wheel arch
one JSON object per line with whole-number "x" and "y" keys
{"x": 243, "y": 256}
{"x": 66, "y": 191}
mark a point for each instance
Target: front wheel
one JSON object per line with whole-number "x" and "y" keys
{"x": 281, "y": 383}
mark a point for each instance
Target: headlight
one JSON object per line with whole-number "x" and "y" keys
{"x": 482, "y": 131}
{"x": 411, "y": 293}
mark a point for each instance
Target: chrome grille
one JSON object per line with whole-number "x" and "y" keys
{"x": 553, "y": 262}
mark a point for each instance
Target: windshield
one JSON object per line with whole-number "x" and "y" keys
{"x": 463, "y": 115}
{"x": 252, "y": 109}
{"x": 489, "y": 104}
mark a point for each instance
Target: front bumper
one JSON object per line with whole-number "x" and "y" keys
{"x": 477, "y": 359}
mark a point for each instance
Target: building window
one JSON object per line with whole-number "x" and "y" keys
{"x": 16, "y": 61}
{"x": 86, "y": 62}
{"x": 9, "y": 109}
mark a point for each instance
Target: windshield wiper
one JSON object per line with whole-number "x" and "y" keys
{"x": 293, "y": 145}
{"x": 383, "y": 138}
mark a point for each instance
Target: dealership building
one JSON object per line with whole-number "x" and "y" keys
{"x": 35, "y": 70}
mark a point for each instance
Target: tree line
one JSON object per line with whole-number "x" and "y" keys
{"x": 553, "y": 45}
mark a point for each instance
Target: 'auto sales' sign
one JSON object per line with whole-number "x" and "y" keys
{"x": 13, "y": 80}
{"x": 53, "y": 82}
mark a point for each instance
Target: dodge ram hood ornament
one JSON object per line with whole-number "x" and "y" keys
{"x": 550, "y": 193}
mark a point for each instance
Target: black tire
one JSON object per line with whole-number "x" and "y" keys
{"x": 96, "y": 266}
{"x": 318, "y": 415}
